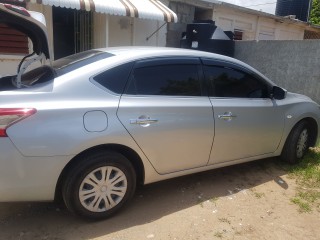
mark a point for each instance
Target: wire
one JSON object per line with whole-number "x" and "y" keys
{"x": 262, "y": 4}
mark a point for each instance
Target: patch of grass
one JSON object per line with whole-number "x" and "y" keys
{"x": 214, "y": 200}
{"x": 218, "y": 234}
{"x": 307, "y": 175}
{"x": 257, "y": 194}
{"x": 309, "y": 196}
{"x": 307, "y": 171}
{"x": 225, "y": 220}
{"x": 304, "y": 207}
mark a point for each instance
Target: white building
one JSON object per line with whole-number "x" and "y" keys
{"x": 246, "y": 23}
{"x": 78, "y": 25}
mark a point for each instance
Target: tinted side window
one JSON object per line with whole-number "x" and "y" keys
{"x": 115, "y": 79}
{"x": 227, "y": 82}
{"x": 174, "y": 80}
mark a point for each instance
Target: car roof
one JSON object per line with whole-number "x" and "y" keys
{"x": 141, "y": 51}
{"x": 134, "y": 53}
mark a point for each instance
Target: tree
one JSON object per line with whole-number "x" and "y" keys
{"x": 315, "y": 12}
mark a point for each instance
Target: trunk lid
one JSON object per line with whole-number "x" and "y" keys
{"x": 28, "y": 22}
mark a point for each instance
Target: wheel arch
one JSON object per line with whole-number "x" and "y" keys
{"x": 290, "y": 152}
{"x": 129, "y": 153}
{"x": 314, "y": 128}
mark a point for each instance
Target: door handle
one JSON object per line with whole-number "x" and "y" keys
{"x": 143, "y": 121}
{"x": 227, "y": 116}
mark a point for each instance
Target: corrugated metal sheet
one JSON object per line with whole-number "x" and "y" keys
{"x": 146, "y": 9}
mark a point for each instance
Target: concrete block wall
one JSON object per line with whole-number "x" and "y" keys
{"x": 185, "y": 13}
{"x": 293, "y": 65}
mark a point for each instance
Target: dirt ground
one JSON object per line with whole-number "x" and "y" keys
{"x": 248, "y": 201}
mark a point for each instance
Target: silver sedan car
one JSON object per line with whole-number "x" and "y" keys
{"x": 89, "y": 127}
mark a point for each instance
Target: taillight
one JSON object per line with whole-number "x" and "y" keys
{"x": 10, "y": 116}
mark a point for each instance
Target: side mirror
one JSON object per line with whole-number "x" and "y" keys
{"x": 278, "y": 93}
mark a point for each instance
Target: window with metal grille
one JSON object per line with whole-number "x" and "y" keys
{"x": 72, "y": 31}
{"x": 311, "y": 35}
{"x": 11, "y": 40}
{"x": 237, "y": 35}
{"x": 83, "y": 35}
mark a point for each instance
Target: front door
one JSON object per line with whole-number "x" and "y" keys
{"x": 247, "y": 122}
{"x": 245, "y": 128}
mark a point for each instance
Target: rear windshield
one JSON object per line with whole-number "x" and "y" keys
{"x": 72, "y": 62}
{"x": 62, "y": 66}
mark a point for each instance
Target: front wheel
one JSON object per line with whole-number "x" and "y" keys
{"x": 100, "y": 185}
{"x": 297, "y": 143}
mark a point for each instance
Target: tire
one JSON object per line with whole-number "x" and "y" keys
{"x": 297, "y": 143}
{"x": 87, "y": 195}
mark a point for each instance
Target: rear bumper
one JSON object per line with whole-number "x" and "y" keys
{"x": 27, "y": 178}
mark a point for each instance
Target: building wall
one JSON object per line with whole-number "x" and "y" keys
{"x": 293, "y": 65}
{"x": 9, "y": 64}
{"x": 255, "y": 27}
{"x": 100, "y": 30}
{"x": 108, "y": 31}
{"x": 185, "y": 13}
{"x": 126, "y": 31}
{"x": 149, "y": 33}
{"x": 120, "y": 31}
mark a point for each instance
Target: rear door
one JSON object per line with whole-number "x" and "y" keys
{"x": 165, "y": 110}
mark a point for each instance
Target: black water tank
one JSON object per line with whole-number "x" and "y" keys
{"x": 300, "y": 8}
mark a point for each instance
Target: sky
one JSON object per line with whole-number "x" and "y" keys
{"x": 268, "y": 6}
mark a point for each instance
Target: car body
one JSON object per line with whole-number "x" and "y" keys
{"x": 89, "y": 127}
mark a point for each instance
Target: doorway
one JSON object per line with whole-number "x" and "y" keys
{"x": 72, "y": 31}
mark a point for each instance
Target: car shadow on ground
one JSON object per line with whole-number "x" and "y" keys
{"x": 151, "y": 202}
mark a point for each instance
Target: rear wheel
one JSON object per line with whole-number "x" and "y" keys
{"x": 100, "y": 185}
{"x": 297, "y": 143}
